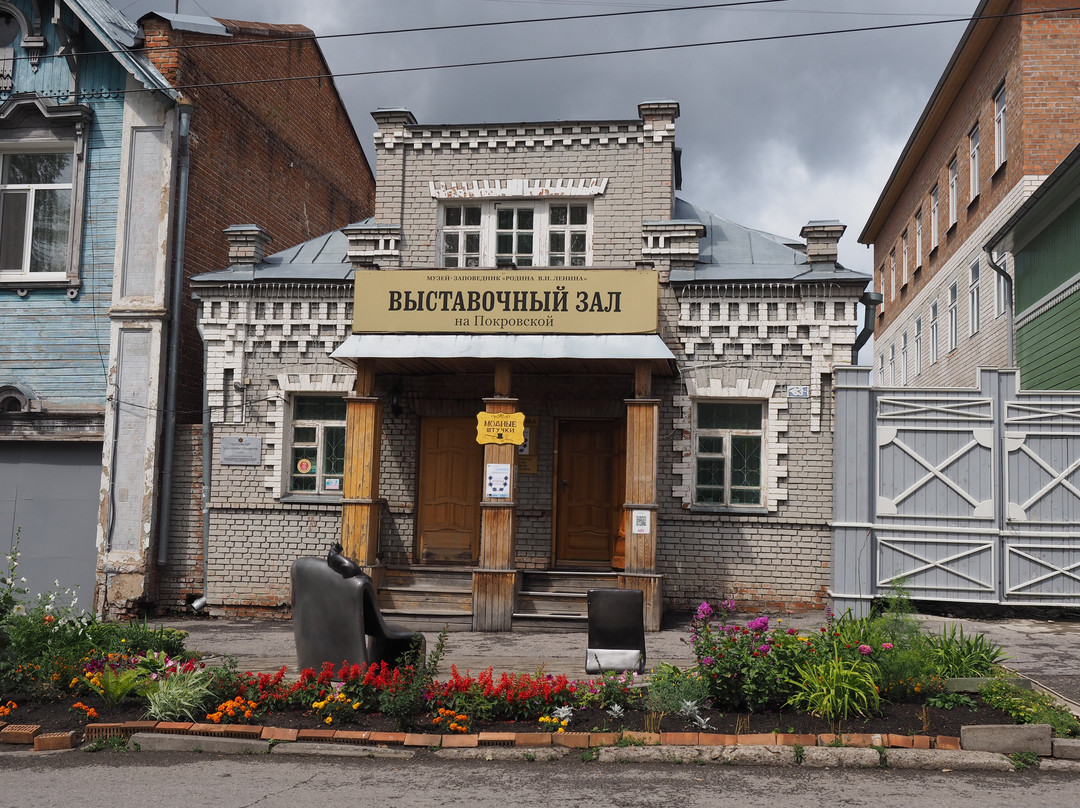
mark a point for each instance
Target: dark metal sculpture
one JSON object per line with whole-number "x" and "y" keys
{"x": 336, "y": 616}
{"x": 616, "y": 631}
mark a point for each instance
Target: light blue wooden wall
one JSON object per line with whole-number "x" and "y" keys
{"x": 57, "y": 345}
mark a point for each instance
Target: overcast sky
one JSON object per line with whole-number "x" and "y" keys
{"x": 773, "y": 133}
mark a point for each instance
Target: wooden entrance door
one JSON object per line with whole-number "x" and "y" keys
{"x": 589, "y": 490}
{"x": 450, "y": 489}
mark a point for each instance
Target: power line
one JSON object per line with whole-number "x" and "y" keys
{"x": 412, "y": 30}
{"x": 474, "y": 25}
{"x": 593, "y": 54}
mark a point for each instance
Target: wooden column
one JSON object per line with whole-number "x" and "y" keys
{"x": 495, "y": 580}
{"x": 642, "y": 442}
{"x": 360, "y": 504}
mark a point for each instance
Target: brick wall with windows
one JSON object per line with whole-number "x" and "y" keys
{"x": 1024, "y": 66}
{"x": 283, "y": 154}
{"x": 744, "y": 343}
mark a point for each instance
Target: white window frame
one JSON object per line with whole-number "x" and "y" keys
{"x": 904, "y": 358}
{"x": 973, "y": 162}
{"x": 933, "y": 332}
{"x": 892, "y": 364}
{"x": 487, "y": 232}
{"x": 918, "y": 238}
{"x": 918, "y": 346}
{"x": 882, "y": 288}
{"x": 934, "y": 214}
{"x": 328, "y": 480}
{"x": 954, "y": 316}
{"x": 1000, "y": 146}
{"x": 974, "y": 298}
{"x": 903, "y": 259}
{"x": 727, "y": 436}
{"x": 953, "y": 192}
{"x": 58, "y": 129}
{"x": 892, "y": 272}
{"x": 881, "y": 371}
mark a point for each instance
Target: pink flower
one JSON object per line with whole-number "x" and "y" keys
{"x": 865, "y": 650}
{"x": 759, "y": 623}
{"x": 791, "y": 632}
{"x": 704, "y": 611}
{"x": 887, "y": 646}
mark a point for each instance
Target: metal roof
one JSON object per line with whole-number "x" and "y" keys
{"x": 729, "y": 252}
{"x": 119, "y": 34}
{"x": 322, "y": 259}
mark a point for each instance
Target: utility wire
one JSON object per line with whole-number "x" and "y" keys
{"x": 592, "y": 54}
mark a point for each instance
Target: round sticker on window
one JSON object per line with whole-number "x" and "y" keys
{"x": 304, "y": 466}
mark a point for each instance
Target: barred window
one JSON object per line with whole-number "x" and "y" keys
{"x": 729, "y": 453}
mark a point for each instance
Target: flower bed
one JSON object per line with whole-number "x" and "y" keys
{"x": 61, "y": 669}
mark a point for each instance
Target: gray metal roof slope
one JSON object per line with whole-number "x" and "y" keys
{"x": 321, "y": 259}
{"x": 729, "y": 252}
{"x": 119, "y": 34}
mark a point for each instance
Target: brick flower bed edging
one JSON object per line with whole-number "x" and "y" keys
{"x": 16, "y": 735}
{"x": 580, "y": 740}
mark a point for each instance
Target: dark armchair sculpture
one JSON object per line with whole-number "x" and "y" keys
{"x": 616, "y": 631}
{"x": 336, "y": 616}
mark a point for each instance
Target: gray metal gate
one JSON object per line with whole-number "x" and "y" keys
{"x": 963, "y": 495}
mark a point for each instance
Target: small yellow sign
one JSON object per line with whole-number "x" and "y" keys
{"x": 500, "y": 427}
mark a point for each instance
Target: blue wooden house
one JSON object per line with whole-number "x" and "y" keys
{"x": 97, "y": 156}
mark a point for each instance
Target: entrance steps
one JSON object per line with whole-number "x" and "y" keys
{"x": 428, "y": 598}
{"x": 557, "y": 600}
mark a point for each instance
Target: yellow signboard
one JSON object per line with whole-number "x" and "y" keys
{"x": 495, "y": 301}
{"x": 500, "y": 427}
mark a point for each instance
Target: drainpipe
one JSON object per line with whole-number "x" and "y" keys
{"x": 870, "y": 301}
{"x": 185, "y": 108}
{"x": 207, "y": 469}
{"x": 1010, "y": 349}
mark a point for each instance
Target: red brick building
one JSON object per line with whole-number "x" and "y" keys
{"x": 1002, "y": 116}
{"x": 266, "y": 147}
{"x": 282, "y": 153}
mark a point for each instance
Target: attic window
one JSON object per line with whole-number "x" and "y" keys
{"x": 9, "y": 29}
{"x": 14, "y": 399}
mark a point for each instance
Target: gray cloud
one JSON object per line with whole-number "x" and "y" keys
{"x": 773, "y": 133}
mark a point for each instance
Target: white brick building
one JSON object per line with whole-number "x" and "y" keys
{"x": 673, "y": 368}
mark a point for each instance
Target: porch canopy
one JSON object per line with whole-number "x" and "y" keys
{"x": 420, "y": 353}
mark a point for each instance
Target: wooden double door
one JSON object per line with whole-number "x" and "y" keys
{"x": 589, "y": 485}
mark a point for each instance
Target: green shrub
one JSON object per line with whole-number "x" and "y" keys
{"x": 835, "y": 688}
{"x": 179, "y": 696}
{"x": 1030, "y": 707}
{"x": 670, "y": 688}
{"x": 954, "y": 655}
